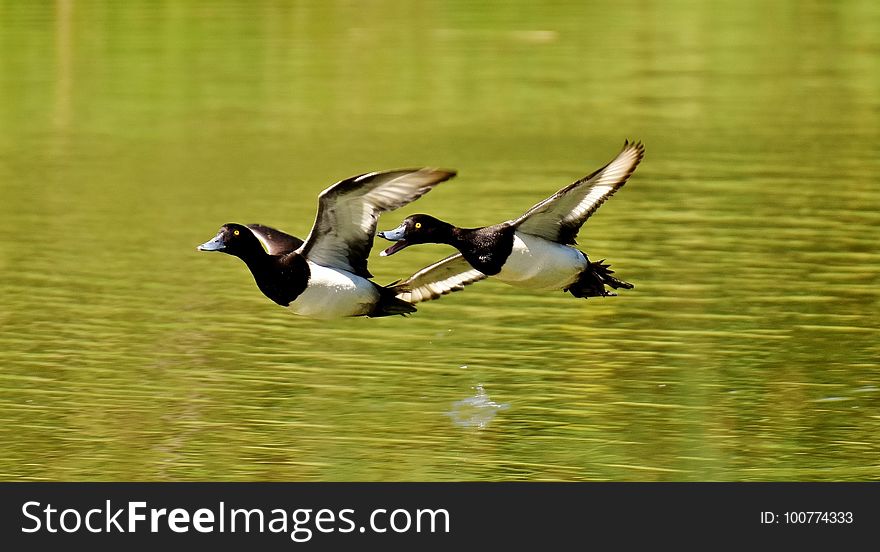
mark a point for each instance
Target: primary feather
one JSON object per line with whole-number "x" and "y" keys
{"x": 348, "y": 211}
{"x": 559, "y": 217}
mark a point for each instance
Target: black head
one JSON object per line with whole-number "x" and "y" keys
{"x": 234, "y": 239}
{"x": 416, "y": 229}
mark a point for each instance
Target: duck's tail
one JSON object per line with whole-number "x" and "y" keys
{"x": 389, "y": 304}
{"x": 593, "y": 280}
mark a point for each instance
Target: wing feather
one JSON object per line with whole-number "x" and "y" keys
{"x": 348, "y": 211}
{"x": 450, "y": 274}
{"x": 274, "y": 241}
{"x": 559, "y": 217}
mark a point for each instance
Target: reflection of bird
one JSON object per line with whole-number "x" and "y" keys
{"x": 532, "y": 251}
{"x": 326, "y": 276}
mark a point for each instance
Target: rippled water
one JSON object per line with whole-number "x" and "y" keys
{"x": 747, "y": 351}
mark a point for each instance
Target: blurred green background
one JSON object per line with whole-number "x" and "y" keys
{"x": 130, "y": 131}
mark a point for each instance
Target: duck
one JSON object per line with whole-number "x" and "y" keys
{"x": 325, "y": 276}
{"x": 535, "y": 250}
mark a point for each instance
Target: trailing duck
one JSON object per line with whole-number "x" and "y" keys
{"x": 532, "y": 251}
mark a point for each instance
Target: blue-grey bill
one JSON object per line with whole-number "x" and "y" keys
{"x": 216, "y": 244}
{"x": 395, "y": 235}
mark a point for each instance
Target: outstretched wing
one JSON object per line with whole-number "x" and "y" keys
{"x": 559, "y": 217}
{"x": 450, "y": 274}
{"x": 274, "y": 241}
{"x": 348, "y": 211}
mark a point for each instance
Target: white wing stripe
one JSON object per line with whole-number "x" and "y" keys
{"x": 596, "y": 194}
{"x": 450, "y": 274}
{"x": 561, "y": 215}
{"x": 433, "y": 290}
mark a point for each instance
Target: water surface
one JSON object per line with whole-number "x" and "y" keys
{"x": 129, "y": 132}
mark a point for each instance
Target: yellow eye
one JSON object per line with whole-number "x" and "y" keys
{"x": 236, "y": 232}
{"x": 418, "y": 225}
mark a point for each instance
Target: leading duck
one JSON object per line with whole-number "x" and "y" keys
{"x": 326, "y": 275}
{"x": 532, "y": 251}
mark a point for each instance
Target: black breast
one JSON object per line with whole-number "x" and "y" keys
{"x": 487, "y": 249}
{"x": 283, "y": 278}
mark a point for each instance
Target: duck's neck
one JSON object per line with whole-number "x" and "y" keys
{"x": 281, "y": 278}
{"x": 255, "y": 258}
{"x": 449, "y": 234}
{"x": 465, "y": 239}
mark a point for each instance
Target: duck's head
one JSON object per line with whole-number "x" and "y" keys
{"x": 413, "y": 230}
{"x": 233, "y": 239}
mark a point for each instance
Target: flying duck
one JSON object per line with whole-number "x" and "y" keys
{"x": 326, "y": 275}
{"x": 532, "y": 251}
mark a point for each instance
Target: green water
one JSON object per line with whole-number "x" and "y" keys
{"x": 129, "y": 132}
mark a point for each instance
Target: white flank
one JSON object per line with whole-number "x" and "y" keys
{"x": 334, "y": 293}
{"x": 537, "y": 263}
